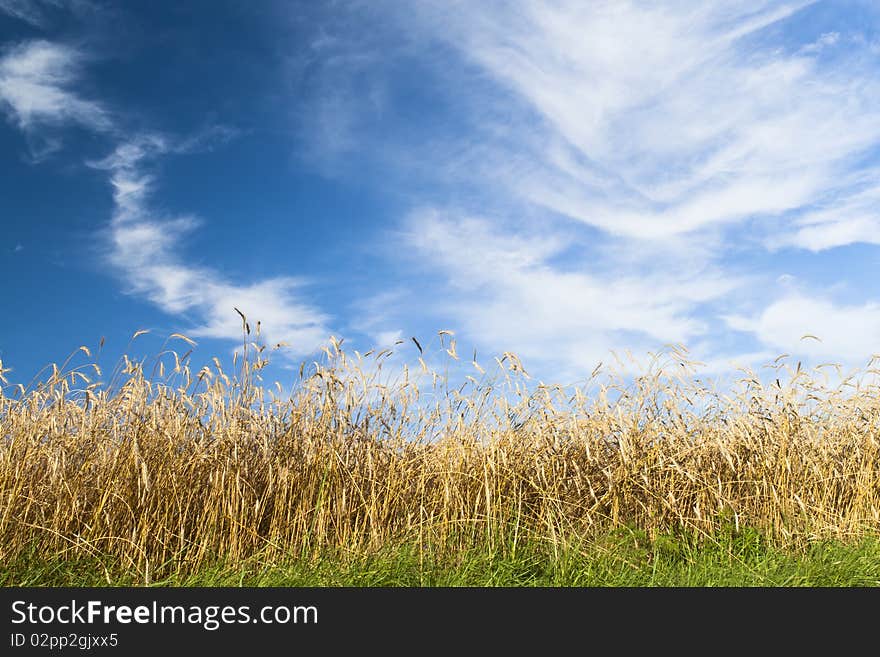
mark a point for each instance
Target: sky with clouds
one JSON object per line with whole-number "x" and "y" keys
{"x": 556, "y": 178}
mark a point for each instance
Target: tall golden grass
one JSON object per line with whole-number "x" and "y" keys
{"x": 172, "y": 470}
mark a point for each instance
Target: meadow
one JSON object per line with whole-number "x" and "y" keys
{"x": 370, "y": 470}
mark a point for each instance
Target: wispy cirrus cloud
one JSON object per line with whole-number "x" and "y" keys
{"x": 37, "y": 81}
{"x": 849, "y": 218}
{"x": 143, "y": 247}
{"x": 792, "y": 324}
{"x": 650, "y": 121}
{"x": 29, "y": 11}
{"x": 144, "y": 250}
{"x": 338, "y": 93}
{"x": 41, "y": 13}
{"x": 508, "y": 292}
{"x": 669, "y": 132}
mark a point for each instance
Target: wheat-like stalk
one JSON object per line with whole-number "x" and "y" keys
{"x": 167, "y": 473}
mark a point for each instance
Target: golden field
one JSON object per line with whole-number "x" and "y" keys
{"x": 165, "y": 469}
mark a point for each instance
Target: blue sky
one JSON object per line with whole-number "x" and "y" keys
{"x": 557, "y": 179}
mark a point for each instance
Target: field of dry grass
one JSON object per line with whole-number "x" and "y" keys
{"x": 167, "y": 470}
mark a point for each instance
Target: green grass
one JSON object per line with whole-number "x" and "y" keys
{"x": 624, "y": 558}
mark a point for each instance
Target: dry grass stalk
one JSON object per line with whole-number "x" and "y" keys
{"x": 169, "y": 474}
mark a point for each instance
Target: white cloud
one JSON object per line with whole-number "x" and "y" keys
{"x": 839, "y": 222}
{"x": 144, "y": 248}
{"x": 40, "y": 13}
{"x": 847, "y": 332}
{"x": 36, "y": 80}
{"x": 35, "y": 88}
{"x": 664, "y": 129}
{"x": 379, "y": 317}
{"x": 340, "y": 93}
{"x": 508, "y": 295}
{"x": 384, "y": 339}
{"x": 827, "y": 40}
{"x": 30, "y": 11}
{"x": 653, "y": 120}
